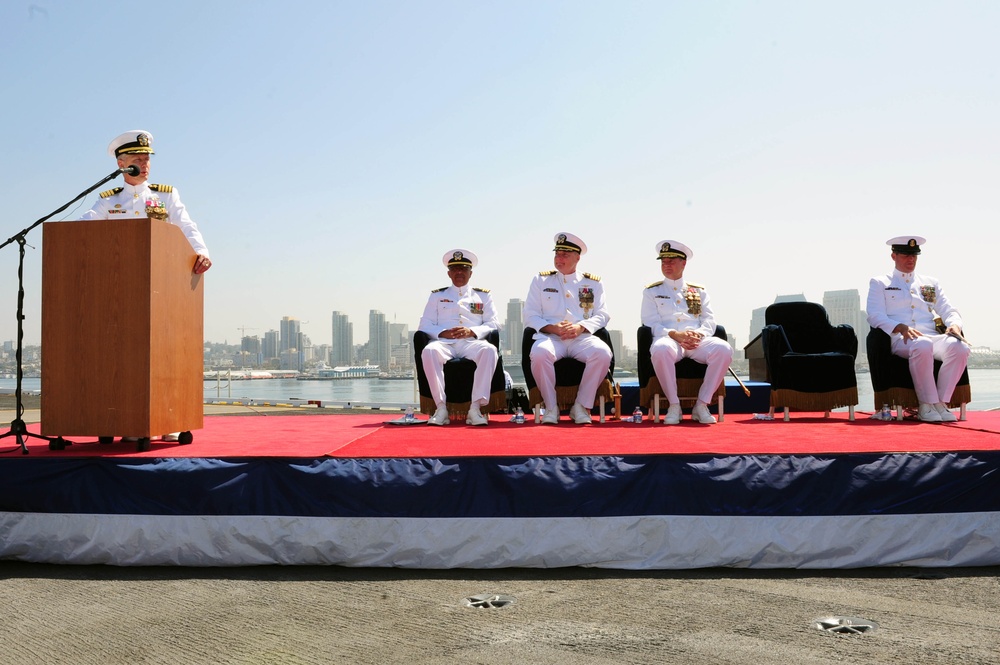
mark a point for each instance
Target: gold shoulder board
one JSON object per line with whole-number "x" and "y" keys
{"x": 596, "y": 278}
{"x": 696, "y": 286}
{"x": 654, "y": 284}
{"x": 111, "y": 192}
{"x": 546, "y": 273}
{"x": 476, "y": 288}
{"x": 165, "y": 189}
{"x": 443, "y": 288}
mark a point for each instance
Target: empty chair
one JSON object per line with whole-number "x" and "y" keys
{"x": 810, "y": 363}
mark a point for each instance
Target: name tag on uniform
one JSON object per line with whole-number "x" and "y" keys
{"x": 549, "y": 289}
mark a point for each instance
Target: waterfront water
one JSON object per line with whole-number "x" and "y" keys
{"x": 985, "y": 390}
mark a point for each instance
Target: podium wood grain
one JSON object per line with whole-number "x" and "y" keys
{"x": 122, "y": 329}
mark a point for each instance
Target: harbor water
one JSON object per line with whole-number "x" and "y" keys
{"x": 985, "y": 390}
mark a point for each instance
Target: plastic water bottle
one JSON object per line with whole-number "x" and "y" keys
{"x": 886, "y": 413}
{"x": 519, "y": 416}
{"x": 637, "y": 415}
{"x": 408, "y": 414}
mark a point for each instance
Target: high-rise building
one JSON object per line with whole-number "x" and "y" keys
{"x": 400, "y": 349}
{"x": 379, "y": 349}
{"x": 845, "y": 307}
{"x": 513, "y": 329}
{"x": 251, "y": 352}
{"x": 399, "y": 334}
{"x": 342, "y": 348}
{"x": 617, "y": 343}
{"x": 290, "y": 329}
{"x": 272, "y": 344}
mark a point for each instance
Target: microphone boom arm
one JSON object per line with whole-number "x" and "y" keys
{"x": 24, "y": 232}
{"x": 18, "y": 428}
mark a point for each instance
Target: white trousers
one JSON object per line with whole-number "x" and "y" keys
{"x": 921, "y": 352}
{"x": 586, "y": 348}
{"x": 665, "y": 353}
{"x": 479, "y": 351}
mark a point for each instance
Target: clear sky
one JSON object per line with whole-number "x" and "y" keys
{"x": 332, "y": 151}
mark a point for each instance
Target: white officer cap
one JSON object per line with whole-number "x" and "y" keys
{"x": 905, "y": 244}
{"x": 460, "y": 257}
{"x": 567, "y": 242}
{"x": 671, "y": 249}
{"x": 131, "y": 142}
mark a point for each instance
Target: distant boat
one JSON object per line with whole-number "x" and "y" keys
{"x": 248, "y": 374}
{"x": 327, "y": 373}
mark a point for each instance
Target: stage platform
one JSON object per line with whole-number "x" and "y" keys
{"x": 352, "y": 490}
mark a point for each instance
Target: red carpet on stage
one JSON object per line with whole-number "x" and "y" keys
{"x": 363, "y": 436}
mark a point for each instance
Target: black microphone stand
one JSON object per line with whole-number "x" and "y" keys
{"x": 17, "y": 427}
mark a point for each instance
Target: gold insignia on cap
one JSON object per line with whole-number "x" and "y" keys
{"x": 457, "y": 256}
{"x": 142, "y": 140}
{"x": 911, "y": 243}
{"x": 666, "y": 247}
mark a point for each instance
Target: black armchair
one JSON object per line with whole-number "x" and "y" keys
{"x": 458, "y": 373}
{"x": 690, "y": 374}
{"x": 810, "y": 363}
{"x": 569, "y": 372}
{"x": 892, "y": 382}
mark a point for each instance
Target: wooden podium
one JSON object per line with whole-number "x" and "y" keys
{"x": 122, "y": 330}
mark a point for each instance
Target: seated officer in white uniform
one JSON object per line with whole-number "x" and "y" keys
{"x": 139, "y": 199}
{"x": 566, "y": 308}
{"x": 680, "y": 315}
{"x": 458, "y": 318}
{"x": 917, "y": 315}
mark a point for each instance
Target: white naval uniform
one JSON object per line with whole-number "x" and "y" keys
{"x": 553, "y": 298}
{"x": 129, "y": 202}
{"x": 915, "y": 300}
{"x": 451, "y": 307}
{"x": 665, "y": 307}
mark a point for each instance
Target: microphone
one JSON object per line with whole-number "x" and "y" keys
{"x": 130, "y": 170}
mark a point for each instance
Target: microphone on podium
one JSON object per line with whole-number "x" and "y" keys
{"x": 130, "y": 170}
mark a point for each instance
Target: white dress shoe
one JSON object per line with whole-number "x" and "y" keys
{"x": 673, "y": 415}
{"x": 928, "y": 414}
{"x": 946, "y": 415}
{"x": 440, "y": 417}
{"x": 475, "y": 417}
{"x": 550, "y": 417}
{"x": 701, "y": 414}
{"x": 579, "y": 414}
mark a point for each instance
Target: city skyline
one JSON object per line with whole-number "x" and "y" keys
{"x": 843, "y": 306}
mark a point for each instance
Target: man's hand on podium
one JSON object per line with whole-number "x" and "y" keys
{"x": 201, "y": 264}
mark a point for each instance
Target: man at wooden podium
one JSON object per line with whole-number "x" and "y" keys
{"x": 139, "y": 199}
